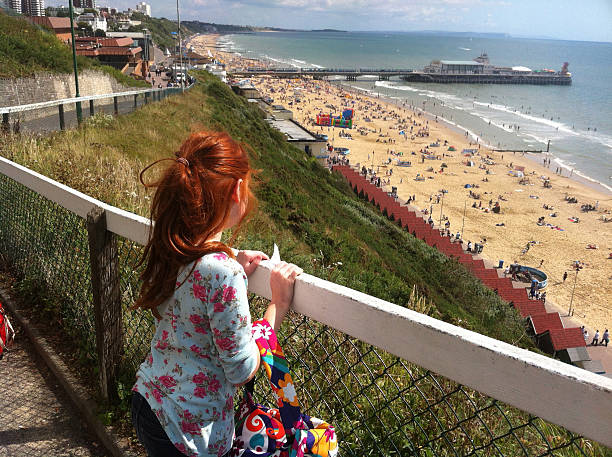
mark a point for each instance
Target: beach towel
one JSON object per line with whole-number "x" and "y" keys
{"x": 284, "y": 431}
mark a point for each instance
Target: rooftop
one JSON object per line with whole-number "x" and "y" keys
{"x": 461, "y": 62}
{"x": 53, "y": 23}
{"x": 566, "y": 338}
{"x": 543, "y": 322}
{"x": 293, "y": 130}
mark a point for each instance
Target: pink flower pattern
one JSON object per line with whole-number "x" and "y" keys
{"x": 203, "y": 326}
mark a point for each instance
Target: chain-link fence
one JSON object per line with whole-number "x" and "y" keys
{"x": 64, "y": 114}
{"x": 380, "y": 404}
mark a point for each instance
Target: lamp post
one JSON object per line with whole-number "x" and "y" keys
{"x": 79, "y": 110}
{"x": 180, "y": 48}
{"x": 441, "y": 206}
{"x": 463, "y": 222}
{"x": 576, "y": 267}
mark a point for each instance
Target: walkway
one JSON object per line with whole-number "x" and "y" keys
{"x": 36, "y": 416}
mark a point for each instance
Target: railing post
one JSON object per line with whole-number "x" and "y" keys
{"x": 91, "y": 107}
{"x": 135, "y": 101}
{"x": 146, "y": 98}
{"x": 79, "y": 112}
{"x": 105, "y": 284}
{"x": 116, "y": 104}
{"x": 61, "y": 117}
{"x": 5, "y": 122}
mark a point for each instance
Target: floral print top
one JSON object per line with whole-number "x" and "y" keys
{"x": 202, "y": 348}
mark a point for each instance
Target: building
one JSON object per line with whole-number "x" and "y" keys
{"x": 95, "y": 22}
{"x": 141, "y": 39}
{"x": 144, "y": 8}
{"x": 84, "y": 3}
{"x": 33, "y": 7}
{"x": 15, "y": 5}
{"x": 120, "y": 53}
{"x": 59, "y": 25}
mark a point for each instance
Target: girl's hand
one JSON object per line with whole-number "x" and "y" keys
{"x": 250, "y": 259}
{"x": 282, "y": 280}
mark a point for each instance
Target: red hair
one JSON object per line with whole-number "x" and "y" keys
{"x": 192, "y": 203}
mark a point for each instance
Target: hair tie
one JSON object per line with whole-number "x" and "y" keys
{"x": 183, "y": 160}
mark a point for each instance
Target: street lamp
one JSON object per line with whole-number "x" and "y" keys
{"x": 180, "y": 48}
{"x": 577, "y": 266}
{"x": 463, "y": 222}
{"x": 79, "y": 110}
{"x": 441, "y": 206}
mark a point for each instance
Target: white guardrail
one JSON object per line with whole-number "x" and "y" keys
{"x": 574, "y": 398}
{"x": 66, "y": 101}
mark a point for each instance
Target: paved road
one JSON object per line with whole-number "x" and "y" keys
{"x": 51, "y": 122}
{"x": 36, "y": 416}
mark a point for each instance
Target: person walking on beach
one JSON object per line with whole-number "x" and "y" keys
{"x": 196, "y": 286}
{"x": 564, "y": 276}
{"x": 595, "y": 338}
{"x": 605, "y": 338}
{"x": 585, "y": 333}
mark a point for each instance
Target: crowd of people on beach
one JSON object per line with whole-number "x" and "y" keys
{"x": 394, "y": 129}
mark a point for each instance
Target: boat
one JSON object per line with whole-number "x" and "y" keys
{"x": 480, "y": 71}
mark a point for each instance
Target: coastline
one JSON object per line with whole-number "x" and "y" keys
{"x": 558, "y": 245}
{"x": 572, "y": 174}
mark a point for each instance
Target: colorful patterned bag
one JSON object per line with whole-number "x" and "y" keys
{"x": 282, "y": 432}
{"x": 7, "y": 334}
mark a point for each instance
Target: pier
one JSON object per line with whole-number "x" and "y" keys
{"x": 409, "y": 75}
{"x": 351, "y": 74}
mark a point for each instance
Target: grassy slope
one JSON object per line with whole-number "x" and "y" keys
{"x": 26, "y": 50}
{"x": 312, "y": 214}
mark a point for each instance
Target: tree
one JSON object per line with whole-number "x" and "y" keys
{"x": 85, "y": 27}
{"x": 100, "y": 33}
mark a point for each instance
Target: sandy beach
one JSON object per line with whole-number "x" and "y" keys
{"x": 376, "y": 142}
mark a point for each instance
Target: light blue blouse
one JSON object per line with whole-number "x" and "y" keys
{"x": 202, "y": 348}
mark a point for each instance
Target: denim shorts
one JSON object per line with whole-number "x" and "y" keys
{"x": 149, "y": 431}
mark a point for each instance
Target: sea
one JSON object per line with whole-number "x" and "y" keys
{"x": 576, "y": 119}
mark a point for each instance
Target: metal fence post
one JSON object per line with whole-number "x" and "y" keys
{"x": 91, "y": 107}
{"x": 61, "y": 117}
{"x": 146, "y": 98}
{"x": 5, "y": 122}
{"x": 105, "y": 282}
{"x": 135, "y": 101}
{"x": 116, "y": 104}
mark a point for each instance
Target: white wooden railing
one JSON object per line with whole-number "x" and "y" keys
{"x": 576, "y": 399}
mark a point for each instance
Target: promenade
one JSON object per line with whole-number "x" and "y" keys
{"x": 36, "y": 416}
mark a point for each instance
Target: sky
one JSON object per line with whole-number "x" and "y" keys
{"x": 587, "y": 20}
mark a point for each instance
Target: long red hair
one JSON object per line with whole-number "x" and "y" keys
{"x": 192, "y": 203}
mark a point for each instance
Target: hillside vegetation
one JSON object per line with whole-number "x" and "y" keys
{"x": 26, "y": 50}
{"x": 161, "y": 29}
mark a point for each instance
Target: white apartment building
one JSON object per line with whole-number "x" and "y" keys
{"x": 94, "y": 21}
{"x": 144, "y": 8}
{"x": 15, "y": 5}
{"x": 31, "y": 7}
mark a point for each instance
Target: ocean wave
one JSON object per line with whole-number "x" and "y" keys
{"x": 391, "y": 85}
{"x": 559, "y": 126}
{"x": 569, "y": 167}
{"x": 465, "y": 49}
{"x": 486, "y": 120}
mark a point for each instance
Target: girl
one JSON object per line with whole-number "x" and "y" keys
{"x": 193, "y": 284}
